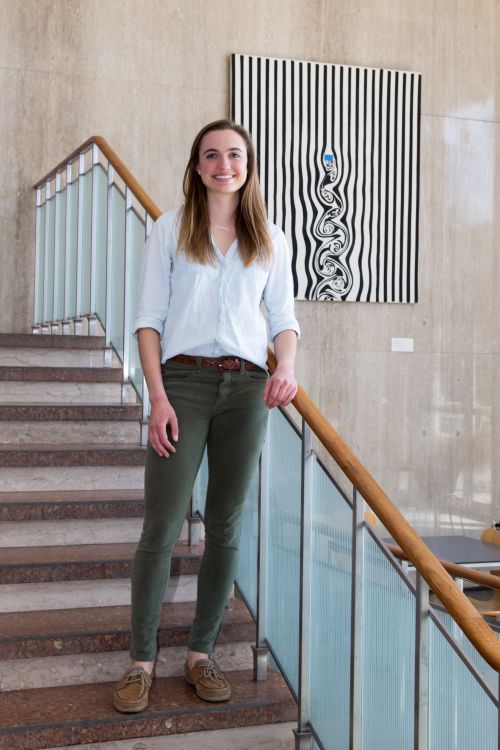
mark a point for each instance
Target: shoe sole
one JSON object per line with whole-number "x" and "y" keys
{"x": 130, "y": 709}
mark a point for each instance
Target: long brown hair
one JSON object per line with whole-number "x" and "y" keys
{"x": 252, "y": 231}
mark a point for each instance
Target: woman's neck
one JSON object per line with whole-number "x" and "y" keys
{"x": 222, "y": 209}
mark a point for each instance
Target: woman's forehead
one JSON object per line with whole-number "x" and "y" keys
{"x": 222, "y": 140}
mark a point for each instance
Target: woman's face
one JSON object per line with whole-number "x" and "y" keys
{"x": 222, "y": 161}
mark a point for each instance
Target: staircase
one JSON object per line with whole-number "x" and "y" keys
{"x": 70, "y": 516}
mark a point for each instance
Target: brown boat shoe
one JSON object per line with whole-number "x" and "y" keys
{"x": 208, "y": 681}
{"x": 132, "y": 691}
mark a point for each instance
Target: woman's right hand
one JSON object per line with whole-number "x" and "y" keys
{"x": 162, "y": 417}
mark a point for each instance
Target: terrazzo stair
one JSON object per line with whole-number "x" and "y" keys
{"x": 71, "y": 502}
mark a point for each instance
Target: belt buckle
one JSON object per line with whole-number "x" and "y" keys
{"x": 227, "y": 363}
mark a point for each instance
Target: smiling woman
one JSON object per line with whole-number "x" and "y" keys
{"x": 203, "y": 346}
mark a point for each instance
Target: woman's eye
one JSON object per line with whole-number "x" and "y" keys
{"x": 235, "y": 155}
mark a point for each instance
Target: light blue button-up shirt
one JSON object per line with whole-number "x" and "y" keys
{"x": 212, "y": 311}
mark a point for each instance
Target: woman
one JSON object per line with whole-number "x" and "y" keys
{"x": 203, "y": 346}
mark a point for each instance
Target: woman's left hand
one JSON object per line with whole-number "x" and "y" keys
{"x": 281, "y": 387}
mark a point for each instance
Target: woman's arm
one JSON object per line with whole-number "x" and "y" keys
{"x": 282, "y": 386}
{"x": 162, "y": 413}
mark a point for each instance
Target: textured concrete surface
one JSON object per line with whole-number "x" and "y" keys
{"x": 268, "y": 737}
{"x": 98, "y": 531}
{"x": 43, "y": 393}
{"x": 17, "y": 357}
{"x": 69, "y": 432}
{"x": 68, "y": 478}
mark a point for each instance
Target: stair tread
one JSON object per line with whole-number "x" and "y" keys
{"x": 70, "y": 496}
{"x": 67, "y": 411}
{"x": 57, "y": 623}
{"x": 61, "y": 374}
{"x": 38, "y": 716}
{"x": 37, "y": 341}
{"x": 88, "y": 553}
{"x": 72, "y": 454}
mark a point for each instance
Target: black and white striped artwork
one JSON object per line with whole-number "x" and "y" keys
{"x": 338, "y": 153}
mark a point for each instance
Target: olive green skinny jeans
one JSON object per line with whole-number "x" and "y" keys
{"x": 224, "y": 411}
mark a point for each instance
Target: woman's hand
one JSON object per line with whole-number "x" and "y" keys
{"x": 281, "y": 387}
{"x": 162, "y": 416}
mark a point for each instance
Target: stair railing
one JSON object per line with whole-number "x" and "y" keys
{"x": 301, "y": 530}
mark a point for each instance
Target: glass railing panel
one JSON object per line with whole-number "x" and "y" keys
{"x": 331, "y": 581}
{"x": 71, "y": 250}
{"x": 48, "y": 307}
{"x": 388, "y": 653}
{"x": 85, "y": 230}
{"x": 461, "y": 713}
{"x": 489, "y": 675}
{"x": 40, "y": 263}
{"x": 284, "y": 543}
{"x": 117, "y": 289}
{"x": 60, "y": 255}
{"x": 200, "y": 487}
{"x": 137, "y": 239}
{"x": 246, "y": 577}
{"x": 100, "y": 232}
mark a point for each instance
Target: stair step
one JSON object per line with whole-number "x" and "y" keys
{"x": 33, "y": 719}
{"x": 86, "y": 562}
{"x": 80, "y": 669}
{"x": 101, "y": 629}
{"x": 88, "y": 393}
{"x": 73, "y": 454}
{"x": 70, "y": 412}
{"x": 103, "y": 592}
{"x": 122, "y": 433}
{"x": 92, "y": 531}
{"x": 61, "y": 374}
{"x": 59, "y": 505}
{"x": 265, "y": 737}
{"x": 53, "y": 357}
{"x": 78, "y": 478}
{"x": 51, "y": 342}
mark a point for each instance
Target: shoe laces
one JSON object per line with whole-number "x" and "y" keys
{"x": 212, "y": 672}
{"x": 138, "y": 675}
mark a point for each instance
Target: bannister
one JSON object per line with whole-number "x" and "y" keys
{"x": 457, "y": 571}
{"x": 461, "y": 609}
{"x": 142, "y": 196}
{"x": 414, "y": 548}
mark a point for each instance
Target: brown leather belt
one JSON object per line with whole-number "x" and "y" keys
{"x": 220, "y": 363}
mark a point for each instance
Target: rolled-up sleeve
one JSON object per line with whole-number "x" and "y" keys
{"x": 278, "y": 292}
{"x": 154, "y": 280}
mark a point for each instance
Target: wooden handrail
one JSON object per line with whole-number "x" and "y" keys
{"x": 429, "y": 567}
{"x": 144, "y": 199}
{"x": 464, "y": 613}
{"x": 457, "y": 571}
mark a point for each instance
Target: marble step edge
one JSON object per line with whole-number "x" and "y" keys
{"x": 257, "y": 737}
{"x": 72, "y": 454}
{"x": 70, "y": 504}
{"x": 41, "y": 718}
{"x": 49, "y": 633}
{"x": 70, "y": 412}
{"x": 29, "y": 340}
{"x": 22, "y": 373}
{"x": 85, "y": 562}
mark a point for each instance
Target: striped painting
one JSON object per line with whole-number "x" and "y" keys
{"x": 338, "y": 153}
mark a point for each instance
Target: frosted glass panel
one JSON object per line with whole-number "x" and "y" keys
{"x": 137, "y": 239}
{"x": 461, "y": 714}
{"x": 60, "y": 255}
{"x": 330, "y": 612}
{"x": 246, "y": 577}
{"x": 388, "y": 654}
{"x": 85, "y": 229}
{"x": 71, "y": 250}
{"x": 49, "y": 259}
{"x": 488, "y": 673}
{"x": 117, "y": 286}
{"x": 284, "y": 543}
{"x": 40, "y": 263}
{"x": 200, "y": 487}
{"x": 100, "y": 232}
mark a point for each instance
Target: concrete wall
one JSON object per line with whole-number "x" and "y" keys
{"x": 147, "y": 75}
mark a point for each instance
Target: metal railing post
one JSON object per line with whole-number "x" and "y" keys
{"x": 45, "y": 312}
{"x": 357, "y": 624}
{"x": 57, "y": 313}
{"x": 128, "y": 280}
{"x": 421, "y": 727}
{"x": 93, "y": 241}
{"x": 260, "y": 650}
{"x": 39, "y": 257}
{"x": 303, "y": 735}
{"x": 79, "y": 254}
{"x": 109, "y": 256}
{"x": 68, "y": 240}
